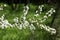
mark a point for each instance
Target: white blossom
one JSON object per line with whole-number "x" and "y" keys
{"x": 5, "y": 24}
{"x": 47, "y": 28}
{"x": 41, "y": 21}
{"x": 45, "y": 16}
{"x": 27, "y": 7}
{"x": 40, "y": 9}
{"x": 5, "y": 5}
{"x": 20, "y": 26}
{"x": 50, "y": 11}
{"x": 32, "y": 27}
{"x": 24, "y": 18}
{"x": 26, "y": 23}
{"x": 54, "y": 11}
{"x": 36, "y": 15}
{"x": 25, "y": 11}
{"x": 44, "y": 20}
{"x": 49, "y": 15}
{"x": 16, "y": 20}
{"x": 2, "y": 17}
{"x": 37, "y": 23}
{"x": 42, "y": 5}
{"x": 36, "y": 11}
{"x": 53, "y": 31}
{"x": 1, "y": 8}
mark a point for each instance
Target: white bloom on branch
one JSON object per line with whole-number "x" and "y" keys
{"x": 26, "y": 23}
{"x": 41, "y": 21}
{"x": 40, "y": 8}
{"x": 1, "y": 7}
{"x": 24, "y": 18}
{"x": 36, "y": 15}
{"x": 37, "y": 23}
{"x": 5, "y": 5}
{"x": 45, "y": 16}
{"x": 54, "y": 11}
{"x": 25, "y": 11}
{"x": 47, "y": 28}
{"x": 42, "y": 5}
{"x": 16, "y": 20}
{"x": 5, "y": 24}
{"x": 32, "y": 27}
{"x": 2, "y": 17}
{"x": 36, "y": 11}
{"x": 52, "y": 30}
{"x": 49, "y": 15}
{"x": 44, "y": 20}
{"x": 49, "y": 11}
{"x": 27, "y": 7}
{"x": 20, "y": 26}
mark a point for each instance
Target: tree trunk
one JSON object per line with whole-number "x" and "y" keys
{"x": 55, "y": 14}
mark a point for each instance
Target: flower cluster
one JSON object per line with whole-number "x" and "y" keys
{"x": 47, "y": 28}
{"x": 4, "y": 22}
{"x": 25, "y": 11}
{"x": 40, "y": 9}
{"x": 1, "y": 7}
{"x": 23, "y": 23}
{"x": 19, "y": 24}
{"x": 48, "y": 14}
